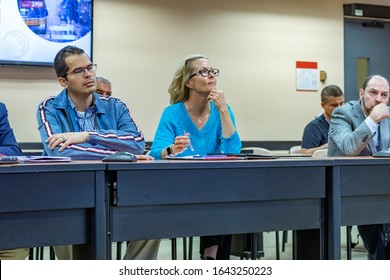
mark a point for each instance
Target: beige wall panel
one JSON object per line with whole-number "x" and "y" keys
{"x": 255, "y": 44}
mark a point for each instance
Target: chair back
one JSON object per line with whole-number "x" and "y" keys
{"x": 295, "y": 150}
{"x": 256, "y": 151}
{"x": 320, "y": 153}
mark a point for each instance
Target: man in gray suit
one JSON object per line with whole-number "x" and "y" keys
{"x": 361, "y": 128}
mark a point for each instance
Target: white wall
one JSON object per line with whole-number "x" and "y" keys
{"x": 139, "y": 43}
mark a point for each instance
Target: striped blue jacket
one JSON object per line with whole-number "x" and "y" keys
{"x": 116, "y": 129}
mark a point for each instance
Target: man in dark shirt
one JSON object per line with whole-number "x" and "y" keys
{"x": 315, "y": 135}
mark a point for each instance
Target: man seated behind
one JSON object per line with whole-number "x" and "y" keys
{"x": 315, "y": 135}
{"x": 103, "y": 86}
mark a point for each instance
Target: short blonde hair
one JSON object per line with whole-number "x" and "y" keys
{"x": 178, "y": 89}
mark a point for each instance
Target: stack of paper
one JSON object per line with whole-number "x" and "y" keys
{"x": 43, "y": 159}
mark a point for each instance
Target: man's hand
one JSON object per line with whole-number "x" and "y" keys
{"x": 379, "y": 112}
{"x": 67, "y": 138}
{"x": 144, "y": 157}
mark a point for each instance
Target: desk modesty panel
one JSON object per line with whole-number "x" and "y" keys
{"x": 53, "y": 204}
{"x": 162, "y": 199}
{"x": 360, "y": 195}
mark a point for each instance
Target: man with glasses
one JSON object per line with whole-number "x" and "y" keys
{"x": 79, "y": 123}
{"x": 82, "y": 124}
{"x": 361, "y": 128}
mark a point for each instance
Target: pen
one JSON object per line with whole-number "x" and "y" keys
{"x": 190, "y": 145}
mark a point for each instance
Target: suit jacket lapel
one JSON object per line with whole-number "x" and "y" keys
{"x": 384, "y": 126}
{"x": 359, "y": 118}
{"x": 358, "y": 113}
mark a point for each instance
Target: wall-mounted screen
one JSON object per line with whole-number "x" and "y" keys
{"x": 33, "y": 31}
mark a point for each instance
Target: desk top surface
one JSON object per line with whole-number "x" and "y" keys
{"x": 359, "y": 160}
{"x": 200, "y": 164}
{"x": 96, "y": 165}
{"x": 87, "y": 165}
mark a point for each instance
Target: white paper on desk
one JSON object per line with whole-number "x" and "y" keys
{"x": 43, "y": 159}
{"x": 383, "y": 153}
{"x": 181, "y": 158}
{"x": 207, "y": 157}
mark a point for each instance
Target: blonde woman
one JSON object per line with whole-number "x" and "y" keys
{"x": 198, "y": 121}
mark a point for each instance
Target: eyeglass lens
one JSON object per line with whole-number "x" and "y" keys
{"x": 80, "y": 71}
{"x": 205, "y": 72}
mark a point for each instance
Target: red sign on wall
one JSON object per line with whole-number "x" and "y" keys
{"x": 307, "y": 76}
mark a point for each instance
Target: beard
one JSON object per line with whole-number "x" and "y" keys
{"x": 365, "y": 108}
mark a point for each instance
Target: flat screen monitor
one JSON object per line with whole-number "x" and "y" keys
{"x": 33, "y": 31}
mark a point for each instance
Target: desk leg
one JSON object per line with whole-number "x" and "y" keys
{"x": 99, "y": 239}
{"x": 307, "y": 245}
{"x": 254, "y": 237}
{"x": 333, "y": 194}
{"x": 174, "y": 248}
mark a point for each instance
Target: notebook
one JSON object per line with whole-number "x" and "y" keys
{"x": 40, "y": 159}
{"x": 383, "y": 153}
{"x": 222, "y": 157}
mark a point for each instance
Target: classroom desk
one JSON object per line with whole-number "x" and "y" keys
{"x": 166, "y": 199}
{"x": 53, "y": 204}
{"x": 359, "y": 194}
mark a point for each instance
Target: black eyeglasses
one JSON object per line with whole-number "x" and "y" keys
{"x": 80, "y": 71}
{"x": 205, "y": 72}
